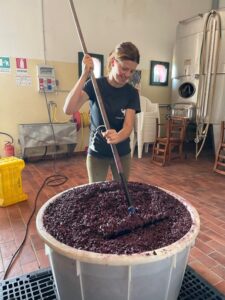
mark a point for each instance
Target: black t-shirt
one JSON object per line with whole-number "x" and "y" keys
{"x": 116, "y": 101}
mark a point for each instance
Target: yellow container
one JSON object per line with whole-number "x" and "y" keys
{"x": 11, "y": 190}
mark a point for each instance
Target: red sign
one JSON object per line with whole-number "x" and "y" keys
{"x": 21, "y": 63}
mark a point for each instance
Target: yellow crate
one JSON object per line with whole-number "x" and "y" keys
{"x": 11, "y": 190}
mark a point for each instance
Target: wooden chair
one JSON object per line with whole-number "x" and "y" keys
{"x": 170, "y": 145}
{"x": 219, "y": 165}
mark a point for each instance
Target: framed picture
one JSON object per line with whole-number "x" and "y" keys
{"x": 98, "y": 63}
{"x": 135, "y": 79}
{"x": 159, "y": 73}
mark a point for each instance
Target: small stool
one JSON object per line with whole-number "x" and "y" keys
{"x": 11, "y": 190}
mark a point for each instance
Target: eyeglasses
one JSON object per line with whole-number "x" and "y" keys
{"x": 123, "y": 67}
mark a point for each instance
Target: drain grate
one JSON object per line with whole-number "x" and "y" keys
{"x": 39, "y": 285}
{"x": 194, "y": 287}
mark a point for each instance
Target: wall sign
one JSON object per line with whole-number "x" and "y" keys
{"x": 21, "y": 65}
{"x": 22, "y": 76}
{"x": 23, "y": 80}
{"x": 4, "y": 64}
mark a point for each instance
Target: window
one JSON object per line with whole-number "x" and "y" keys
{"x": 135, "y": 80}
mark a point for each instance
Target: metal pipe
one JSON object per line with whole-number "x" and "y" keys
{"x": 209, "y": 61}
{"x": 209, "y": 67}
{"x": 215, "y": 4}
{"x": 43, "y": 30}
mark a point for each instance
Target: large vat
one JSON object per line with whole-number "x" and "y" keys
{"x": 84, "y": 275}
{"x": 189, "y": 72}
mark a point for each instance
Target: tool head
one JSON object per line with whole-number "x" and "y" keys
{"x": 131, "y": 210}
{"x": 116, "y": 227}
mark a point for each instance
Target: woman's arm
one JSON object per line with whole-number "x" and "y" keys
{"x": 77, "y": 97}
{"x": 114, "y": 137}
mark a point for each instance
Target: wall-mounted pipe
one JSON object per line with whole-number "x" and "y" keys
{"x": 43, "y": 30}
{"x": 208, "y": 67}
{"x": 215, "y": 4}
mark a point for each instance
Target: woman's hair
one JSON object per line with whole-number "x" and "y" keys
{"x": 124, "y": 51}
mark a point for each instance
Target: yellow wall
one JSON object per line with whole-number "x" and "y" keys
{"x": 24, "y": 104}
{"x": 160, "y": 94}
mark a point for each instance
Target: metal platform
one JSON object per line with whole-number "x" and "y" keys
{"x": 39, "y": 285}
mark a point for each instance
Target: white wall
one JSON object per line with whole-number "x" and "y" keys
{"x": 51, "y": 36}
{"x": 150, "y": 24}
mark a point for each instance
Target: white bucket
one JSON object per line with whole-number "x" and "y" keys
{"x": 84, "y": 275}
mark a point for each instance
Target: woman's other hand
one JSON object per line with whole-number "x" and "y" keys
{"x": 112, "y": 136}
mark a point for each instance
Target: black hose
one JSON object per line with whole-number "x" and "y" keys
{"x": 7, "y": 135}
{"x": 53, "y": 180}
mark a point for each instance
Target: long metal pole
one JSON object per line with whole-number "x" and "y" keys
{"x": 119, "y": 167}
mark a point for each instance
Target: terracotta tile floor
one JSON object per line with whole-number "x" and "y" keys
{"x": 190, "y": 178}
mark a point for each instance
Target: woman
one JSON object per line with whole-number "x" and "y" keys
{"x": 121, "y": 102}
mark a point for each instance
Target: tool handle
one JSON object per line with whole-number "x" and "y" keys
{"x": 102, "y": 109}
{"x": 93, "y": 79}
{"x": 80, "y": 35}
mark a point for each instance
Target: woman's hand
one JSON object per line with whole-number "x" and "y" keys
{"x": 88, "y": 64}
{"x": 111, "y": 136}
{"x": 77, "y": 97}
{"x": 114, "y": 137}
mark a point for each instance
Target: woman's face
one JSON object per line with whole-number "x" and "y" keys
{"x": 122, "y": 71}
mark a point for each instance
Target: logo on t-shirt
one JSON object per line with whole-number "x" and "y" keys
{"x": 123, "y": 111}
{"x": 122, "y": 115}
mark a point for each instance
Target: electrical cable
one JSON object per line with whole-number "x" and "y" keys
{"x": 7, "y": 135}
{"x": 26, "y": 159}
{"x": 53, "y": 180}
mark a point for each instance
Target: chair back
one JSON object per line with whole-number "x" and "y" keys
{"x": 176, "y": 128}
{"x": 148, "y": 106}
{"x": 171, "y": 144}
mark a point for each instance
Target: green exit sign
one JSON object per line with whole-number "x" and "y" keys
{"x": 4, "y": 62}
